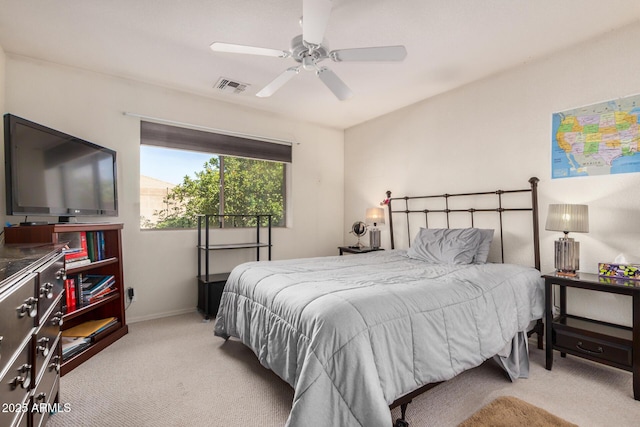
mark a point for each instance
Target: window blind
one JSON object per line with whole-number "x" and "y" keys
{"x": 190, "y": 139}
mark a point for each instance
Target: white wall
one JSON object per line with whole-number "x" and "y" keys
{"x": 2, "y": 96}
{"x": 496, "y": 133}
{"x": 162, "y": 265}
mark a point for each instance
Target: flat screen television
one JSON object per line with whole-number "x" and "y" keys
{"x": 50, "y": 173}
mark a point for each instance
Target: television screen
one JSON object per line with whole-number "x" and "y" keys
{"x": 50, "y": 173}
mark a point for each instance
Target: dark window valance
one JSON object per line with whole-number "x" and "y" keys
{"x": 216, "y": 143}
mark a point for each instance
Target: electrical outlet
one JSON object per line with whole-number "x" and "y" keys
{"x": 131, "y": 294}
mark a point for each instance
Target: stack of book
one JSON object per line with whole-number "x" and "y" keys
{"x": 83, "y": 247}
{"x": 81, "y": 290}
{"x": 95, "y": 287}
{"x": 73, "y": 345}
{"x": 78, "y": 338}
{"x": 77, "y": 252}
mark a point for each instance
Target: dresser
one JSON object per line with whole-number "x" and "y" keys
{"x": 31, "y": 291}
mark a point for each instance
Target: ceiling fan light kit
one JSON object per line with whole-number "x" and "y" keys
{"x": 310, "y": 48}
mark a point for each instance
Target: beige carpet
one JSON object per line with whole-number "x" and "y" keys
{"x": 175, "y": 372}
{"x": 509, "y": 411}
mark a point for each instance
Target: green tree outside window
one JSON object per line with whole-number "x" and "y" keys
{"x": 241, "y": 186}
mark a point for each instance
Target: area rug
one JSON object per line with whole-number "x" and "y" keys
{"x": 508, "y": 411}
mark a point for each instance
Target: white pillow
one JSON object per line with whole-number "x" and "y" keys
{"x": 446, "y": 245}
{"x": 486, "y": 237}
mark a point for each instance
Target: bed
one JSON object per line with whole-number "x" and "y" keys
{"x": 357, "y": 335}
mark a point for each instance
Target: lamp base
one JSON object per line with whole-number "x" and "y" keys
{"x": 567, "y": 256}
{"x": 374, "y": 238}
{"x": 566, "y": 273}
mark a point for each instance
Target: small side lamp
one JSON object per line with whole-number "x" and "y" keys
{"x": 566, "y": 218}
{"x": 374, "y": 216}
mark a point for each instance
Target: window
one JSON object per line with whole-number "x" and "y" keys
{"x": 185, "y": 172}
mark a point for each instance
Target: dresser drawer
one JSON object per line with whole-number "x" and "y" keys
{"x": 600, "y": 350}
{"x": 46, "y": 337}
{"x": 15, "y": 386}
{"x": 46, "y": 391}
{"x": 23, "y": 420}
{"x": 18, "y": 308}
{"x": 46, "y": 402}
{"x": 50, "y": 284}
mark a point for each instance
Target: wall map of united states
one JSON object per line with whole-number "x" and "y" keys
{"x": 597, "y": 140}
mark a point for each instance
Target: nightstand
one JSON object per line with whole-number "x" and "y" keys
{"x": 606, "y": 343}
{"x": 357, "y": 250}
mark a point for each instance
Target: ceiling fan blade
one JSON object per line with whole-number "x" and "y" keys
{"x": 278, "y": 82}
{"x": 315, "y": 16}
{"x": 380, "y": 53}
{"x": 251, "y": 50}
{"x": 335, "y": 85}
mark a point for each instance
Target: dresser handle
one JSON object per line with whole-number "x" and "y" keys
{"x": 29, "y": 307}
{"x": 53, "y": 366}
{"x": 33, "y": 304}
{"x": 20, "y": 381}
{"x": 24, "y": 379}
{"x": 61, "y": 274}
{"x": 22, "y": 310}
{"x": 57, "y": 321}
{"x": 47, "y": 290}
{"x": 26, "y": 371}
{"x": 44, "y": 347}
{"x": 598, "y": 351}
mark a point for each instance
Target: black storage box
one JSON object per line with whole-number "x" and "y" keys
{"x": 209, "y": 294}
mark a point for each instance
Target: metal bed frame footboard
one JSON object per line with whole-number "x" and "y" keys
{"x": 500, "y": 210}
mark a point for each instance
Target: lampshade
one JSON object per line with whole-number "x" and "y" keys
{"x": 375, "y": 216}
{"x": 568, "y": 218}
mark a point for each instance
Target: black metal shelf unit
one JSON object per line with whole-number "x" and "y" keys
{"x": 210, "y": 286}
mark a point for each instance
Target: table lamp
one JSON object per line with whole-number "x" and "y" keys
{"x": 566, "y": 218}
{"x": 374, "y": 216}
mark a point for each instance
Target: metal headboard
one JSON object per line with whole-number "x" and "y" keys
{"x": 533, "y": 208}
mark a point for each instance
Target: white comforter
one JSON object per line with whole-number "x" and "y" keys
{"x": 352, "y": 334}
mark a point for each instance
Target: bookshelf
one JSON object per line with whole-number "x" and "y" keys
{"x": 211, "y": 286}
{"x": 109, "y": 264}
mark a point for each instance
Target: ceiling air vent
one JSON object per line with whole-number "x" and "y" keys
{"x": 229, "y": 86}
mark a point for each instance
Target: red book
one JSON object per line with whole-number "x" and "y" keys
{"x": 76, "y": 255}
{"x": 83, "y": 245}
{"x": 67, "y": 295}
{"x": 72, "y": 293}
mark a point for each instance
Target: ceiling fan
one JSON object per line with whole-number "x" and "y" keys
{"x": 310, "y": 48}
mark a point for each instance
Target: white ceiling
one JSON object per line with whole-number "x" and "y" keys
{"x": 449, "y": 42}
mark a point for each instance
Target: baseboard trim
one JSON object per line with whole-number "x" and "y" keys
{"x": 161, "y": 315}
